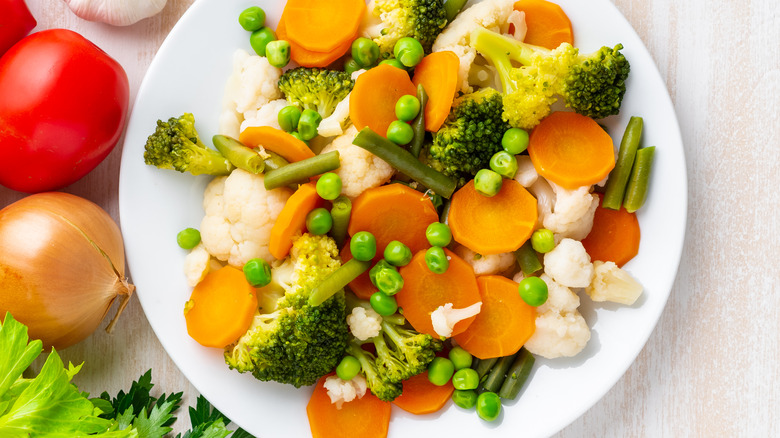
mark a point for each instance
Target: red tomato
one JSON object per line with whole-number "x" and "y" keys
{"x": 16, "y": 21}
{"x": 63, "y": 106}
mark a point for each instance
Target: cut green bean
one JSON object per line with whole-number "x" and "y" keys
{"x": 618, "y": 177}
{"x": 453, "y": 8}
{"x": 301, "y": 170}
{"x": 636, "y": 192}
{"x": 337, "y": 280}
{"x": 527, "y": 259}
{"x": 517, "y": 375}
{"x": 497, "y": 374}
{"x": 274, "y": 161}
{"x": 418, "y": 124}
{"x": 444, "y": 216}
{"x": 483, "y": 366}
{"x": 405, "y": 162}
{"x": 341, "y": 212}
{"x": 239, "y": 155}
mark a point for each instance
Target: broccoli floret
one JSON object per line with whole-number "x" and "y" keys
{"x": 381, "y": 386}
{"x": 470, "y": 135}
{"x": 592, "y": 85}
{"x": 419, "y": 19}
{"x": 175, "y": 144}
{"x": 316, "y": 88}
{"x": 297, "y": 343}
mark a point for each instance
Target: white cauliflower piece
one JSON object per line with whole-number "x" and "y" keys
{"x": 573, "y": 212}
{"x": 445, "y": 317}
{"x": 561, "y": 331}
{"x": 545, "y": 198}
{"x": 197, "y": 265}
{"x": 613, "y": 284}
{"x": 486, "y": 264}
{"x": 332, "y": 125}
{"x": 360, "y": 170}
{"x": 343, "y": 391}
{"x": 364, "y": 323}
{"x": 266, "y": 115}
{"x": 569, "y": 264}
{"x": 526, "y": 172}
{"x": 490, "y": 14}
{"x": 517, "y": 19}
{"x": 240, "y": 213}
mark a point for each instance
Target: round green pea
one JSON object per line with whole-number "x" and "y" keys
{"x": 400, "y": 132}
{"x": 388, "y": 280}
{"x": 348, "y": 368}
{"x": 460, "y": 358}
{"x": 515, "y": 141}
{"x": 436, "y": 260}
{"x": 543, "y": 240}
{"x": 397, "y": 254}
{"x": 465, "y": 378}
{"x": 289, "y": 117}
{"x": 533, "y": 290}
{"x": 504, "y": 164}
{"x": 257, "y": 272}
{"x": 394, "y": 62}
{"x": 438, "y": 234}
{"x": 440, "y": 371}
{"x": 260, "y": 38}
{"x": 308, "y": 124}
{"x": 329, "y": 186}
{"x": 252, "y": 18}
{"x": 407, "y": 108}
{"x": 465, "y": 399}
{"x": 188, "y": 238}
{"x": 363, "y": 246}
{"x": 365, "y": 52}
{"x": 488, "y": 406}
{"x": 351, "y": 66}
{"x": 297, "y": 135}
{"x": 278, "y": 53}
{"x": 487, "y": 182}
{"x": 319, "y": 221}
{"x": 383, "y": 304}
{"x": 409, "y": 51}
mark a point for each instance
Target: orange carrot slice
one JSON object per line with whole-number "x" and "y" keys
{"x": 438, "y": 74}
{"x": 292, "y": 219}
{"x": 276, "y": 140}
{"x": 504, "y": 323}
{"x": 307, "y": 58}
{"x": 323, "y": 25}
{"x": 548, "y": 26}
{"x": 366, "y": 417}
{"x": 421, "y": 397}
{"x": 492, "y": 225}
{"x": 614, "y": 236}
{"x": 373, "y": 98}
{"x": 220, "y": 308}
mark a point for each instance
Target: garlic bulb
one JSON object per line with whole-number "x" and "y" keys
{"x": 116, "y": 12}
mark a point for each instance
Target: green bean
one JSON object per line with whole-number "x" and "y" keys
{"x": 517, "y": 375}
{"x": 274, "y": 161}
{"x": 527, "y": 259}
{"x": 618, "y": 177}
{"x": 405, "y": 162}
{"x": 453, "y": 7}
{"x": 483, "y": 366}
{"x": 337, "y": 280}
{"x": 418, "y": 124}
{"x": 497, "y": 374}
{"x": 301, "y": 170}
{"x": 445, "y": 212}
{"x": 341, "y": 212}
{"x": 636, "y": 192}
{"x": 238, "y": 154}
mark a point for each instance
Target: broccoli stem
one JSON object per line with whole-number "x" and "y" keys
{"x": 340, "y": 212}
{"x": 517, "y": 375}
{"x": 302, "y": 170}
{"x": 337, "y": 280}
{"x": 405, "y": 162}
{"x": 238, "y": 154}
{"x": 527, "y": 259}
{"x": 618, "y": 178}
{"x": 418, "y": 124}
{"x": 453, "y": 8}
{"x": 500, "y": 51}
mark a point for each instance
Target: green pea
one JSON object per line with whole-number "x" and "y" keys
{"x": 436, "y": 260}
{"x": 397, "y": 254}
{"x": 252, "y": 18}
{"x": 407, "y": 108}
{"x": 400, "y": 132}
{"x": 440, "y": 371}
{"x": 533, "y": 290}
{"x": 351, "y": 66}
{"x": 297, "y": 135}
{"x": 377, "y": 268}
{"x": 383, "y": 304}
{"x": 260, "y": 38}
{"x": 515, "y": 141}
{"x": 460, "y": 358}
{"x": 504, "y": 164}
{"x": 257, "y": 272}
{"x": 308, "y": 124}
{"x": 278, "y": 53}
{"x": 438, "y": 234}
{"x": 543, "y": 240}
{"x": 289, "y": 117}
{"x": 465, "y": 399}
{"x": 363, "y": 246}
{"x": 388, "y": 280}
{"x": 365, "y": 52}
{"x": 319, "y": 221}
{"x": 394, "y": 62}
{"x": 329, "y": 186}
{"x": 487, "y": 182}
{"x": 409, "y": 51}
{"x": 488, "y": 406}
{"x": 465, "y": 378}
{"x": 188, "y": 238}
{"x": 348, "y": 368}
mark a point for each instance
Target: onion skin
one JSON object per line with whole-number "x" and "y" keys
{"x": 62, "y": 266}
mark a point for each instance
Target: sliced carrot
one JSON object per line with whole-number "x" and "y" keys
{"x": 220, "y": 308}
{"x": 276, "y": 140}
{"x": 614, "y": 236}
{"x": 323, "y": 25}
{"x": 548, "y": 26}
{"x": 292, "y": 219}
{"x": 307, "y": 58}
{"x": 438, "y": 74}
{"x": 571, "y": 150}
{"x": 361, "y": 286}
{"x": 492, "y": 225}
{"x": 424, "y": 291}
{"x": 504, "y": 323}
{"x": 373, "y": 98}
{"x": 421, "y": 397}
{"x": 365, "y": 417}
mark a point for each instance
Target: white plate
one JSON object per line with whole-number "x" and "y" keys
{"x": 188, "y": 75}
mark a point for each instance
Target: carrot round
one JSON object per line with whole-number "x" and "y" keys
{"x": 504, "y": 323}
{"x": 424, "y": 291}
{"x": 372, "y": 100}
{"x": 220, "y": 308}
{"x": 438, "y": 74}
{"x": 365, "y": 417}
{"x": 276, "y": 140}
{"x": 307, "y": 58}
{"x": 548, "y": 26}
{"x": 492, "y": 225}
{"x": 614, "y": 236}
{"x": 322, "y": 25}
{"x": 292, "y": 219}
{"x": 421, "y": 397}
{"x": 571, "y": 150}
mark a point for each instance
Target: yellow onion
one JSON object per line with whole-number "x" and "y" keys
{"x": 62, "y": 265}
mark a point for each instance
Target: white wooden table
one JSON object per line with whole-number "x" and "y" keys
{"x": 712, "y": 366}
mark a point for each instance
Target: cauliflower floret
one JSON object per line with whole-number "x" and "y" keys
{"x": 240, "y": 213}
{"x": 364, "y": 323}
{"x": 486, "y": 264}
{"x": 342, "y": 391}
{"x": 572, "y": 214}
{"x": 196, "y": 265}
{"x": 517, "y": 19}
{"x": 445, "y": 317}
{"x": 561, "y": 331}
{"x": 334, "y": 124}
{"x": 611, "y": 283}
{"x": 490, "y": 14}
{"x": 545, "y": 198}
{"x": 569, "y": 264}
{"x": 266, "y": 115}
{"x": 360, "y": 169}
{"x": 526, "y": 173}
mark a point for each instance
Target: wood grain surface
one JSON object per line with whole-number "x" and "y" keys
{"x": 712, "y": 366}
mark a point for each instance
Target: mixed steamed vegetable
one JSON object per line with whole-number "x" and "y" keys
{"x": 408, "y": 198}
